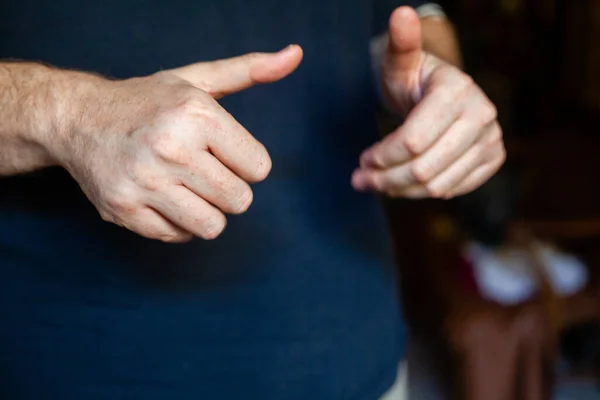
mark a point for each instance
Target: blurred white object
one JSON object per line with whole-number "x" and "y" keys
{"x": 507, "y": 278}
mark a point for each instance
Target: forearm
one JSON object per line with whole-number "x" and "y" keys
{"x": 32, "y": 113}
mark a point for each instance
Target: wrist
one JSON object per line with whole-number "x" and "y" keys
{"x": 34, "y": 100}
{"x": 25, "y": 116}
{"x": 42, "y": 111}
{"x": 71, "y": 96}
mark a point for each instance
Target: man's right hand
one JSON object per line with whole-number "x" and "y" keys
{"x": 158, "y": 155}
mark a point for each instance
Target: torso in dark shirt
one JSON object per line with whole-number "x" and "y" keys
{"x": 296, "y": 300}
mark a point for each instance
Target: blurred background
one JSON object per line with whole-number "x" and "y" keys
{"x": 505, "y": 282}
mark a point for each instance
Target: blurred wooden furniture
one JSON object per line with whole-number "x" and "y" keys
{"x": 492, "y": 352}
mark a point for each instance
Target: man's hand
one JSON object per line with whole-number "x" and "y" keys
{"x": 450, "y": 142}
{"x": 159, "y": 155}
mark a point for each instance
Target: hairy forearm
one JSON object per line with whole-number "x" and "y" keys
{"x": 440, "y": 39}
{"x": 32, "y": 113}
{"x": 26, "y": 103}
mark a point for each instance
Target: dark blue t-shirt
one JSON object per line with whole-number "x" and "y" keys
{"x": 296, "y": 300}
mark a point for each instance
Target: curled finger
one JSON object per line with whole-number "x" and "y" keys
{"x": 187, "y": 210}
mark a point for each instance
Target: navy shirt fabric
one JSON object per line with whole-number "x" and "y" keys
{"x": 296, "y": 300}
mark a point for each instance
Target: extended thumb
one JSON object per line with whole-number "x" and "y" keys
{"x": 224, "y": 77}
{"x": 405, "y": 41}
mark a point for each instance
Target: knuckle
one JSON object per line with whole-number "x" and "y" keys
{"x": 193, "y": 103}
{"x": 496, "y": 136}
{"x": 263, "y": 167}
{"x": 250, "y": 57}
{"x": 166, "y": 77}
{"x": 378, "y": 181}
{"x": 481, "y": 147}
{"x": 413, "y": 144}
{"x": 153, "y": 231}
{"x": 445, "y": 72}
{"x": 167, "y": 148}
{"x": 493, "y": 110}
{"x": 213, "y": 226}
{"x": 148, "y": 226}
{"x": 234, "y": 195}
{"x": 482, "y": 155}
{"x": 143, "y": 176}
{"x": 466, "y": 81}
{"x": 121, "y": 200}
{"x": 208, "y": 87}
{"x": 106, "y": 216}
{"x": 434, "y": 192}
{"x": 243, "y": 202}
{"x": 488, "y": 113}
{"x": 448, "y": 95}
{"x": 502, "y": 156}
{"x": 174, "y": 237}
{"x": 460, "y": 93}
{"x": 421, "y": 172}
{"x": 376, "y": 159}
{"x": 201, "y": 113}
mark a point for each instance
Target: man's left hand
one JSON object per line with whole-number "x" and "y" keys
{"x": 450, "y": 143}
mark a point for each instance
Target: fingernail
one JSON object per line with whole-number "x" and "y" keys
{"x": 288, "y": 47}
